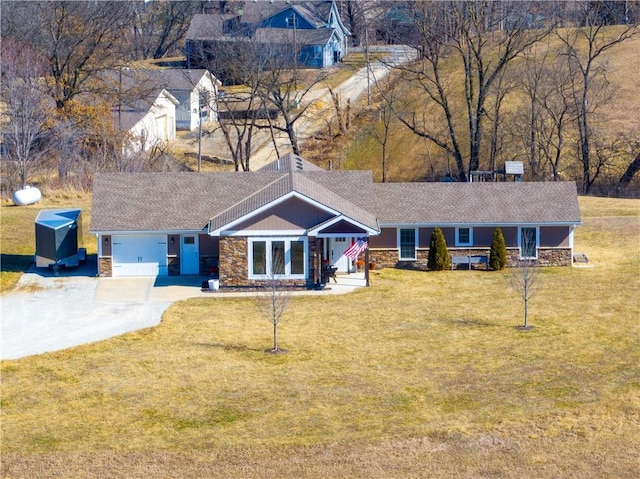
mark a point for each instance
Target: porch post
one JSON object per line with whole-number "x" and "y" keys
{"x": 366, "y": 264}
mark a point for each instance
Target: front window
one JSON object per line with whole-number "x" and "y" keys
{"x": 277, "y": 257}
{"x": 259, "y": 262}
{"x": 297, "y": 257}
{"x": 407, "y": 243}
{"x": 528, "y": 242}
{"x": 464, "y": 236}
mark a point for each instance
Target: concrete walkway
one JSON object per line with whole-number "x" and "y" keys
{"x": 48, "y": 312}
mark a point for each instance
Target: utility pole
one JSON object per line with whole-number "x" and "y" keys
{"x": 199, "y": 140}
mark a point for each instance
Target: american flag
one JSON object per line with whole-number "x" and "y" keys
{"x": 356, "y": 248}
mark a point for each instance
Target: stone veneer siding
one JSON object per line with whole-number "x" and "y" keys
{"x": 233, "y": 269}
{"x": 234, "y": 265}
{"x": 105, "y": 266}
{"x": 388, "y": 258}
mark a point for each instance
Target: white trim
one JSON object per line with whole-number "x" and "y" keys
{"x": 148, "y": 232}
{"x": 287, "y": 261}
{"x": 475, "y": 225}
{"x": 470, "y": 242}
{"x": 340, "y": 217}
{"x": 537, "y": 228}
{"x": 415, "y": 244}
{"x": 277, "y": 201}
{"x": 271, "y": 233}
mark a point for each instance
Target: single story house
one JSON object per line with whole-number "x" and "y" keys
{"x": 291, "y": 218}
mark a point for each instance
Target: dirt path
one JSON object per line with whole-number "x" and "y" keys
{"x": 319, "y": 114}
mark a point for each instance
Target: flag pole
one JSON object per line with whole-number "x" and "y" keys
{"x": 366, "y": 264}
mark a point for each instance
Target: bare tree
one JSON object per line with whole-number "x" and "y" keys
{"x": 159, "y": 27}
{"x": 631, "y": 170}
{"x": 27, "y": 129}
{"x": 275, "y": 296}
{"x": 543, "y": 120}
{"x": 583, "y": 50}
{"x": 284, "y": 87}
{"x": 386, "y": 116}
{"x": 79, "y": 40}
{"x": 524, "y": 276}
{"x": 484, "y": 37}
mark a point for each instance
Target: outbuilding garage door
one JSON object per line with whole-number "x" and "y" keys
{"x": 139, "y": 255}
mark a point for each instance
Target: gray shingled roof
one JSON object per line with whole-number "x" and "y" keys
{"x": 189, "y": 201}
{"x": 174, "y": 78}
{"x": 167, "y": 201}
{"x": 476, "y": 203}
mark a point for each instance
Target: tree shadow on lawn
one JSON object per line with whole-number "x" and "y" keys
{"x": 229, "y": 347}
{"x": 469, "y": 322}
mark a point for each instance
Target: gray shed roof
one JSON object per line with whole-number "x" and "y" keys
{"x": 476, "y": 203}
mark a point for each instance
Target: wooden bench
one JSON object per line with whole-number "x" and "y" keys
{"x": 469, "y": 260}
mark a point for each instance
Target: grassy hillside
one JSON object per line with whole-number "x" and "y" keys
{"x": 421, "y": 375}
{"x": 412, "y": 158}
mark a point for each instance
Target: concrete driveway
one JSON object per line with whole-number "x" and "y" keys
{"x": 48, "y": 312}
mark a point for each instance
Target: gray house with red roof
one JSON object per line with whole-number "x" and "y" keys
{"x": 291, "y": 218}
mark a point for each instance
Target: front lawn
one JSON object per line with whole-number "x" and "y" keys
{"x": 421, "y": 375}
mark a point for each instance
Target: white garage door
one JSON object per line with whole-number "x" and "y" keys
{"x": 139, "y": 255}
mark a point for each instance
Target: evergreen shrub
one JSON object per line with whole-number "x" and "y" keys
{"x": 438, "y": 258}
{"x": 498, "y": 254}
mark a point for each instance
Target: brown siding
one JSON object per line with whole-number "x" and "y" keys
{"x": 482, "y": 236}
{"x": 554, "y": 236}
{"x": 209, "y": 255}
{"x": 449, "y": 236}
{"x": 343, "y": 227}
{"x": 424, "y": 237}
{"x": 209, "y": 245}
{"x": 293, "y": 213}
{"x": 106, "y": 245}
{"x": 173, "y": 248}
{"x": 386, "y": 239}
{"x": 510, "y": 234}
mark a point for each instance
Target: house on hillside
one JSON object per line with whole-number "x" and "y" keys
{"x": 292, "y": 218}
{"x": 148, "y": 121}
{"x": 313, "y": 29}
{"x": 195, "y": 90}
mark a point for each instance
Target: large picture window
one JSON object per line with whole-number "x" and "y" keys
{"x": 277, "y": 257}
{"x": 407, "y": 241}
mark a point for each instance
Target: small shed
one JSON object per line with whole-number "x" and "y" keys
{"x": 514, "y": 169}
{"x": 59, "y": 238}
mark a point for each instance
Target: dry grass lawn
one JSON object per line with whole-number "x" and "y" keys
{"x": 17, "y": 231}
{"x": 421, "y": 375}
